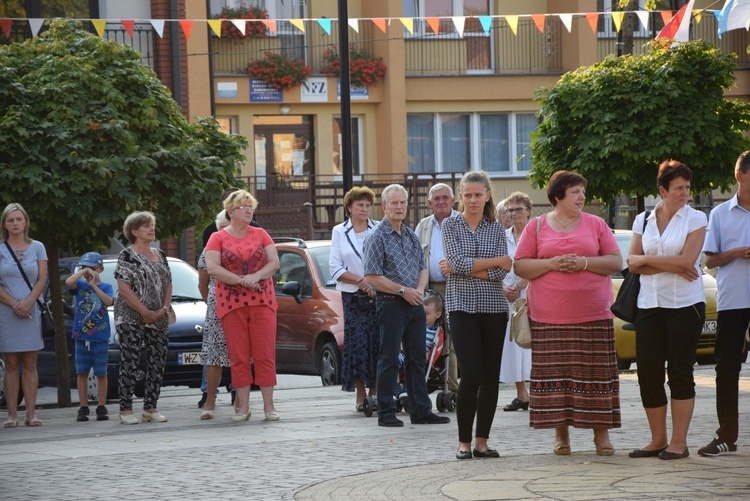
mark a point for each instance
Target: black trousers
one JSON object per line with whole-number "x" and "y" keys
{"x": 671, "y": 336}
{"x": 730, "y": 339}
{"x": 478, "y": 338}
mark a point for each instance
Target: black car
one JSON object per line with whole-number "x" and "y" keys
{"x": 185, "y": 336}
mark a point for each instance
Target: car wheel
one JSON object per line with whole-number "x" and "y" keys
{"x": 623, "y": 365}
{"x": 329, "y": 364}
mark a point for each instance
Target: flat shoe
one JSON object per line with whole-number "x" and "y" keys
{"x": 463, "y": 454}
{"x": 561, "y": 449}
{"x": 640, "y": 453}
{"x": 238, "y": 418}
{"x": 129, "y": 419}
{"x": 489, "y": 453}
{"x": 605, "y": 451}
{"x": 34, "y": 421}
{"x": 272, "y": 416}
{"x": 207, "y": 414}
{"x": 155, "y": 417}
{"x": 10, "y": 423}
{"x": 666, "y": 455}
{"x": 516, "y": 405}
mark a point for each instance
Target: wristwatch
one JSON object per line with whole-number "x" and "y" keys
{"x": 401, "y": 291}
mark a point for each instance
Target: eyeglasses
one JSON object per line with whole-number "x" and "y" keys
{"x": 246, "y": 207}
{"x": 517, "y": 209}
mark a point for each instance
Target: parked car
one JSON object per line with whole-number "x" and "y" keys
{"x": 625, "y": 331}
{"x": 310, "y": 317}
{"x": 185, "y": 336}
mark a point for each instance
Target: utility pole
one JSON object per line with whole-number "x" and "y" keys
{"x": 346, "y": 97}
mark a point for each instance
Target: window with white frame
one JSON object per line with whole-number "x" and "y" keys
{"x": 607, "y": 26}
{"x": 497, "y": 143}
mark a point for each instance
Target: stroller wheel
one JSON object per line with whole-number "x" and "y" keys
{"x": 439, "y": 402}
{"x": 368, "y": 405}
{"x": 449, "y": 401}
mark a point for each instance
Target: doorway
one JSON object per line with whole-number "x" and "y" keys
{"x": 284, "y": 159}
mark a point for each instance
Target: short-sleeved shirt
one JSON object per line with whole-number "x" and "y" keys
{"x": 461, "y": 246}
{"x": 729, "y": 228}
{"x": 148, "y": 280}
{"x": 667, "y": 289}
{"x": 564, "y": 298}
{"x": 91, "y": 320}
{"x": 398, "y": 258}
{"x": 242, "y": 256}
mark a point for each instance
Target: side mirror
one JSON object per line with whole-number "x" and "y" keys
{"x": 293, "y": 289}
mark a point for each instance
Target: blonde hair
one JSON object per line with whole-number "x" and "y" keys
{"x": 135, "y": 221}
{"x": 238, "y": 199}
{"x": 12, "y": 207}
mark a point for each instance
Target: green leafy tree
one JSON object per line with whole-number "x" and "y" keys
{"x": 88, "y": 134}
{"x": 615, "y": 121}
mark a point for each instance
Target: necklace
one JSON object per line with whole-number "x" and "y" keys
{"x": 564, "y": 226}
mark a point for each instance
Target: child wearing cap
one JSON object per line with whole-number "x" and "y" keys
{"x": 91, "y": 330}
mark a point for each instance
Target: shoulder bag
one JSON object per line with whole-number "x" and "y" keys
{"x": 520, "y": 327}
{"x": 625, "y": 306}
{"x": 48, "y": 321}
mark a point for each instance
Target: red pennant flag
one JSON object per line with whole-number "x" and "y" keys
{"x": 593, "y": 19}
{"x": 379, "y": 22}
{"x": 271, "y": 25}
{"x": 678, "y": 28}
{"x": 129, "y": 26}
{"x": 539, "y": 21}
{"x": 434, "y": 24}
{"x": 6, "y": 24}
{"x": 187, "y": 26}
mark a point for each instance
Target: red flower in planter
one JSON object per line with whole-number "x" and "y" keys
{"x": 279, "y": 71}
{"x": 252, "y": 29}
{"x": 365, "y": 70}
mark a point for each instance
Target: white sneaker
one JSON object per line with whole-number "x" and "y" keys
{"x": 155, "y": 416}
{"x": 129, "y": 419}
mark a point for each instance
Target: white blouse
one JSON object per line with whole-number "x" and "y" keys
{"x": 666, "y": 289}
{"x": 346, "y": 253}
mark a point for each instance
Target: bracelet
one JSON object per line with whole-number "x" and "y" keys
{"x": 585, "y": 263}
{"x": 166, "y": 308}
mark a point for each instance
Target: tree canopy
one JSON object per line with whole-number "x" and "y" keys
{"x": 615, "y": 121}
{"x": 88, "y": 134}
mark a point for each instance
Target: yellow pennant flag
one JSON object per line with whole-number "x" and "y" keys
{"x": 99, "y": 25}
{"x": 513, "y": 23}
{"x": 408, "y": 23}
{"x": 215, "y": 25}
{"x": 697, "y": 14}
{"x": 299, "y": 23}
{"x": 617, "y": 17}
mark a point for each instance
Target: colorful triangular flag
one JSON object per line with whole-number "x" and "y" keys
{"x": 513, "y": 23}
{"x": 99, "y": 25}
{"x": 408, "y": 23}
{"x": 434, "y": 24}
{"x": 567, "y": 20}
{"x": 129, "y": 26}
{"x": 215, "y": 25}
{"x": 538, "y": 21}
{"x": 678, "y": 28}
{"x": 593, "y": 19}
{"x": 486, "y": 22}
{"x": 617, "y": 17}
{"x": 240, "y": 24}
{"x": 379, "y": 22}
{"x": 459, "y": 22}
{"x": 187, "y": 27}
{"x": 158, "y": 25}
{"x": 326, "y": 25}
{"x": 6, "y": 25}
{"x": 270, "y": 24}
{"x": 643, "y": 16}
{"x": 354, "y": 23}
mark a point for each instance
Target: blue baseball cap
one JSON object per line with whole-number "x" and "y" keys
{"x": 92, "y": 260}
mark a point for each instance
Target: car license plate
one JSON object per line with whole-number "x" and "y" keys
{"x": 192, "y": 358}
{"x": 709, "y": 327}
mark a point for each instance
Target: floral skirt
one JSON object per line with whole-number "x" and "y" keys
{"x": 361, "y": 344}
{"x": 574, "y": 377}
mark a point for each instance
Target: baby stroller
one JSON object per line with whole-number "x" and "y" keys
{"x": 436, "y": 374}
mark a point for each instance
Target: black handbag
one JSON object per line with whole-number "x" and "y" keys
{"x": 48, "y": 321}
{"x": 625, "y": 306}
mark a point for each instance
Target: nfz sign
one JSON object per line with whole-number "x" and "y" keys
{"x": 314, "y": 90}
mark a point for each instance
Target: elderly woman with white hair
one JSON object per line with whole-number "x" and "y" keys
{"x": 214, "y": 355}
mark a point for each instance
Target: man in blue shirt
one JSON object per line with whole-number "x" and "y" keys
{"x": 727, "y": 247}
{"x": 394, "y": 264}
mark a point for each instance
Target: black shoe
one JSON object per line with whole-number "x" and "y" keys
{"x": 673, "y": 455}
{"x": 489, "y": 453}
{"x": 202, "y": 400}
{"x": 83, "y": 414}
{"x": 640, "y": 453}
{"x": 431, "y": 419}
{"x": 390, "y": 421}
{"x": 101, "y": 413}
{"x": 718, "y": 447}
{"x": 463, "y": 454}
{"x": 516, "y": 405}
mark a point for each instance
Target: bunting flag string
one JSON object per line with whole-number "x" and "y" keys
{"x": 382, "y": 23}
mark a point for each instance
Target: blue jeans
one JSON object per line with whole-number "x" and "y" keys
{"x": 730, "y": 338}
{"x": 401, "y": 324}
{"x": 204, "y": 382}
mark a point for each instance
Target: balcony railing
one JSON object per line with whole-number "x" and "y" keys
{"x": 231, "y": 56}
{"x": 499, "y": 51}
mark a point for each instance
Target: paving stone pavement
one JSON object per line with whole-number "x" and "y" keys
{"x": 323, "y": 450}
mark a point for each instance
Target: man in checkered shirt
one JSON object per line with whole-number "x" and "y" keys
{"x": 394, "y": 264}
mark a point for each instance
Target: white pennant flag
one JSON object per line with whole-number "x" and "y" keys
{"x": 354, "y": 23}
{"x": 35, "y": 25}
{"x": 240, "y": 24}
{"x": 567, "y": 20}
{"x": 158, "y": 25}
{"x": 458, "y": 22}
{"x": 643, "y": 16}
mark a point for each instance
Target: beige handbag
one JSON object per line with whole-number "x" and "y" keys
{"x": 520, "y": 328}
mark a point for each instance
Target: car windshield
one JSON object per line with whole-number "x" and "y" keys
{"x": 320, "y": 255}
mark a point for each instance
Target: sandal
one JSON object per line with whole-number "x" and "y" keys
{"x": 561, "y": 449}
{"x": 10, "y": 423}
{"x": 33, "y": 421}
{"x": 360, "y": 407}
